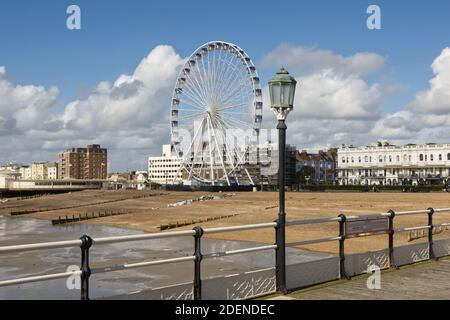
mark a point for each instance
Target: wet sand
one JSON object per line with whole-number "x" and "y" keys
{"x": 21, "y": 230}
{"x": 147, "y": 214}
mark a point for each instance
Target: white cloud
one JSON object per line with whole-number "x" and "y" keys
{"x": 300, "y": 60}
{"x": 334, "y": 104}
{"x": 130, "y": 117}
{"x": 437, "y": 98}
{"x": 427, "y": 116}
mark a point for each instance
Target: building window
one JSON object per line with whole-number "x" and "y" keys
{"x": 440, "y": 157}
{"x": 421, "y": 157}
{"x": 431, "y": 157}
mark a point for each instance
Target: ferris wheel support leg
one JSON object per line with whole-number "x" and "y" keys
{"x": 248, "y": 174}
{"x": 220, "y": 155}
{"x": 210, "y": 152}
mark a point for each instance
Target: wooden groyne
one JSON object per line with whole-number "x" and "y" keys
{"x": 31, "y": 211}
{"x": 419, "y": 234}
{"x": 86, "y": 216}
{"x": 184, "y": 223}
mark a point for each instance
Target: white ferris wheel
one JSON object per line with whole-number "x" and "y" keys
{"x": 216, "y": 93}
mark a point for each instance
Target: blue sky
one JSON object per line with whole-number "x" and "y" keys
{"x": 37, "y": 49}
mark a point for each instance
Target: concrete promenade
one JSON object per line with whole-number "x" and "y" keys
{"x": 428, "y": 280}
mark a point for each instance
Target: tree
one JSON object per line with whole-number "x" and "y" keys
{"x": 304, "y": 173}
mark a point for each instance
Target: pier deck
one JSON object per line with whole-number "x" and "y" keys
{"x": 424, "y": 281}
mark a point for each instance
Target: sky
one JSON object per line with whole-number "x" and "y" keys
{"x": 111, "y": 82}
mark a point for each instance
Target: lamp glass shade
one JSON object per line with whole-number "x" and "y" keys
{"x": 282, "y": 90}
{"x": 275, "y": 94}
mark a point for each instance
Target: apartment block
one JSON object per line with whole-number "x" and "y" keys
{"x": 83, "y": 163}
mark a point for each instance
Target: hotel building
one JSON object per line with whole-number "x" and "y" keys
{"x": 386, "y": 164}
{"x": 165, "y": 169}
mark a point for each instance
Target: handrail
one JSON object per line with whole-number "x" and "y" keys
{"x": 53, "y": 276}
{"x": 40, "y": 246}
{"x": 300, "y": 243}
{"x": 141, "y": 264}
{"x": 147, "y": 236}
{"x": 238, "y": 251}
{"x": 240, "y": 228}
{"x": 311, "y": 221}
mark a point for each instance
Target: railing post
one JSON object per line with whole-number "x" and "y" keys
{"x": 198, "y": 260}
{"x": 391, "y": 232}
{"x": 280, "y": 257}
{"x": 430, "y": 234}
{"x": 342, "y": 272}
{"x": 86, "y": 243}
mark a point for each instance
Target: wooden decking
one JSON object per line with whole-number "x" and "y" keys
{"x": 427, "y": 280}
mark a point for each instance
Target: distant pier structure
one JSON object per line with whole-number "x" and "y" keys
{"x": 10, "y": 186}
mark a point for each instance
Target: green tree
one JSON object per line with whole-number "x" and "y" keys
{"x": 304, "y": 172}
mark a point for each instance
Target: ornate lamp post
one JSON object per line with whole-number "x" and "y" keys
{"x": 282, "y": 92}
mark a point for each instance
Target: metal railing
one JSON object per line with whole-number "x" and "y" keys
{"x": 390, "y": 230}
{"x": 86, "y": 242}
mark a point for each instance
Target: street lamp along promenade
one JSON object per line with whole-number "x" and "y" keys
{"x": 282, "y": 91}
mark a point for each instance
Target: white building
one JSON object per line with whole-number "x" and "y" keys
{"x": 386, "y": 164}
{"x": 165, "y": 169}
{"x": 25, "y": 172}
{"x": 52, "y": 171}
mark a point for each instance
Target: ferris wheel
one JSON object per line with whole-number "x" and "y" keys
{"x": 216, "y": 93}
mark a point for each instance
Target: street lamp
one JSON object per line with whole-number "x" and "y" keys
{"x": 282, "y": 92}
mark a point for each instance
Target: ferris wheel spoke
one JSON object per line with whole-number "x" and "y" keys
{"x": 195, "y": 99}
{"x": 200, "y": 80}
{"x": 190, "y": 116}
{"x": 190, "y": 104}
{"x": 221, "y": 70}
{"x": 228, "y": 107}
{"x": 195, "y": 87}
{"x": 208, "y": 72}
{"x": 237, "y": 124}
{"x": 237, "y": 113}
{"x": 225, "y": 74}
{"x": 230, "y": 79}
{"x": 233, "y": 91}
{"x": 233, "y": 71}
